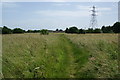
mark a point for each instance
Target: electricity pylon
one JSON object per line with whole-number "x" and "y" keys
{"x": 93, "y": 21}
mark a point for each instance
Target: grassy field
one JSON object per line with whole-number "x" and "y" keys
{"x": 60, "y": 55}
{"x": 103, "y": 56}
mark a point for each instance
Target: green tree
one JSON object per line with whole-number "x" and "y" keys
{"x": 36, "y": 31}
{"x": 6, "y": 30}
{"x": 67, "y": 30}
{"x": 60, "y": 30}
{"x": 116, "y": 27}
{"x": 57, "y": 30}
{"x": 107, "y": 29}
{"x": 81, "y": 31}
{"x": 90, "y": 30}
{"x": 30, "y": 31}
{"x": 73, "y": 30}
{"x": 97, "y": 30}
{"x": 44, "y": 32}
{"x": 18, "y": 30}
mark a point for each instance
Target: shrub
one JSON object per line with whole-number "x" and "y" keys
{"x": 97, "y": 30}
{"x": 18, "y": 30}
{"x": 72, "y": 30}
{"x": 6, "y": 30}
{"x": 81, "y": 31}
{"x": 44, "y": 32}
{"x": 107, "y": 29}
{"x": 116, "y": 27}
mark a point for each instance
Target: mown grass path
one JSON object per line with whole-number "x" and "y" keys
{"x": 71, "y": 62}
{"x": 77, "y": 57}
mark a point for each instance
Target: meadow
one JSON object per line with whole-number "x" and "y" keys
{"x": 60, "y": 55}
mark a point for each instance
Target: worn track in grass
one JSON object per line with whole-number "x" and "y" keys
{"x": 59, "y": 55}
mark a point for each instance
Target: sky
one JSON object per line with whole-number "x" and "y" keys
{"x": 59, "y": 0}
{"x": 119, "y": 11}
{"x": 53, "y": 15}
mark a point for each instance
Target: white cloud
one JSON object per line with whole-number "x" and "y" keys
{"x": 90, "y": 8}
{"x": 62, "y": 4}
{"x": 63, "y": 13}
{"x": 81, "y": 7}
{"x": 104, "y": 9}
{"x": 82, "y": 11}
{"x": 9, "y": 5}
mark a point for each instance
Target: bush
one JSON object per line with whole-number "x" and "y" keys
{"x": 18, "y": 30}
{"x": 44, "y": 32}
{"x": 116, "y": 27}
{"x": 107, "y": 29}
{"x": 81, "y": 31}
{"x": 30, "y": 31}
{"x": 6, "y": 30}
{"x": 97, "y": 30}
{"x": 67, "y": 30}
{"x": 90, "y": 30}
{"x": 72, "y": 30}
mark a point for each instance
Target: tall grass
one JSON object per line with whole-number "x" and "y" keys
{"x": 102, "y": 50}
{"x": 36, "y": 56}
{"x": 59, "y": 56}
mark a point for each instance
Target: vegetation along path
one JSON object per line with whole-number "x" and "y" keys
{"x": 59, "y": 55}
{"x": 41, "y": 56}
{"x": 76, "y": 56}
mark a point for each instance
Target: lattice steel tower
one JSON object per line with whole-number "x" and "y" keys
{"x": 93, "y": 21}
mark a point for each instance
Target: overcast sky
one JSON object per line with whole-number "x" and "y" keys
{"x": 52, "y": 15}
{"x": 59, "y": 0}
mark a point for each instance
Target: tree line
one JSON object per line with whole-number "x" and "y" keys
{"x": 6, "y": 30}
{"x": 105, "y": 29}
